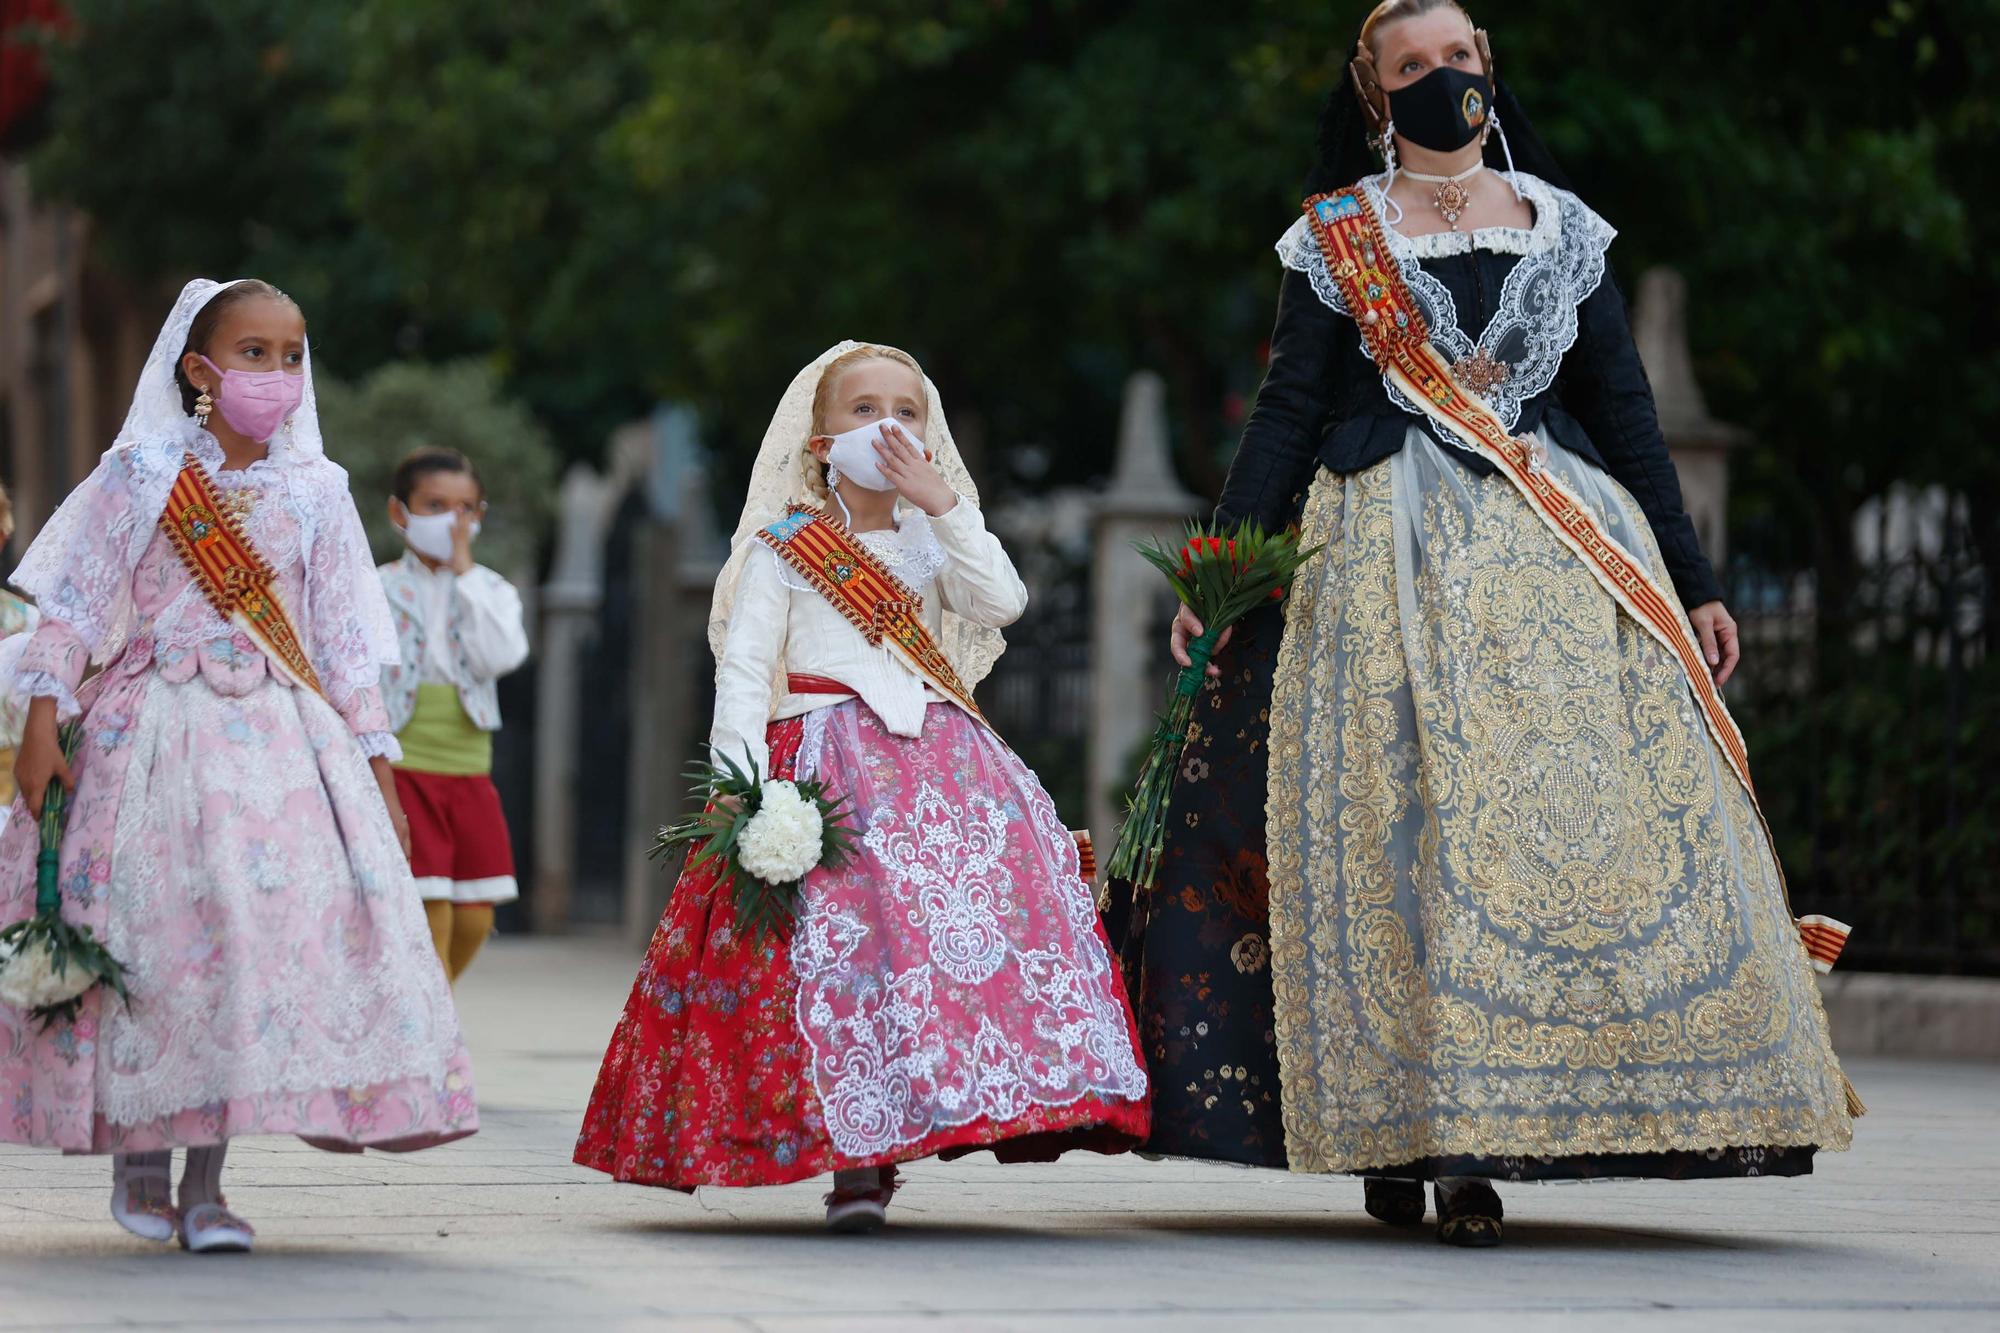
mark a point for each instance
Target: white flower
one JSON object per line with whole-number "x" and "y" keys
{"x": 28, "y": 978}
{"x": 782, "y": 841}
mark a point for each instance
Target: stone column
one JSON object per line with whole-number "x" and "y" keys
{"x": 570, "y": 601}
{"x": 1699, "y": 443}
{"x": 1130, "y": 603}
{"x": 668, "y": 714}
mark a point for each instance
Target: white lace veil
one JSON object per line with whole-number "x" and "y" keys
{"x": 781, "y": 478}
{"x": 156, "y": 412}
{"x": 79, "y": 568}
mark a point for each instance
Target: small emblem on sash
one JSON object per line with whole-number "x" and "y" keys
{"x": 200, "y": 524}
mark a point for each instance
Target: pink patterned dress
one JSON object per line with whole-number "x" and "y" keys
{"x": 227, "y": 840}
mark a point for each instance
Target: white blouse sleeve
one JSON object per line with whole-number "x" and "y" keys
{"x": 487, "y": 610}
{"x": 751, "y": 656}
{"x": 978, "y": 581}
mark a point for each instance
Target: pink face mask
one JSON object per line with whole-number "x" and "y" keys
{"x": 256, "y": 402}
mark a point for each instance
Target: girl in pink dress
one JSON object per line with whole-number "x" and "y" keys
{"x": 227, "y": 838}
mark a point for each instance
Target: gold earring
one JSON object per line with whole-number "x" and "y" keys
{"x": 202, "y": 407}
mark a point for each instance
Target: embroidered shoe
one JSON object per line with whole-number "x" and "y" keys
{"x": 1470, "y": 1215}
{"x": 859, "y": 1200}
{"x": 145, "y": 1213}
{"x": 1400, "y": 1203}
{"x": 210, "y": 1228}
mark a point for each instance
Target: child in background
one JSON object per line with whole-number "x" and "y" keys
{"x": 459, "y": 624}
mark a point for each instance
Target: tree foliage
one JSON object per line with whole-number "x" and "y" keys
{"x": 372, "y": 425}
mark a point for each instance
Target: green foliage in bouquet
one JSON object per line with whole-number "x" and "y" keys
{"x": 47, "y": 964}
{"x": 1221, "y": 575}
{"x": 803, "y": 833}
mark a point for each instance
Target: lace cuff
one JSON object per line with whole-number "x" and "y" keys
{"x": 45, "y": 685}
{"x": 380, "y": 745}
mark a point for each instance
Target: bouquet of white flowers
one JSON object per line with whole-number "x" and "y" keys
{"x": 47, "y": 965}
{"x": 768, "y": 836}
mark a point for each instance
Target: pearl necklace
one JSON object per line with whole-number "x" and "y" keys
{"x": 1451, "y": 197}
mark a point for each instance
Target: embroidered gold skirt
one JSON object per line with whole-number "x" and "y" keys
{"x": 1519, "y": 904}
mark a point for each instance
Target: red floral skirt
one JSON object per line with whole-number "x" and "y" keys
{"x": 1006, "y": 1024}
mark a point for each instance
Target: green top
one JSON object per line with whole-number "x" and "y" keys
{"x": 441, "y": 738}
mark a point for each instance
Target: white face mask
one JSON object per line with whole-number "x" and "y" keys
{"x": 430, "y": 534}
{"x": 853, "y": 453}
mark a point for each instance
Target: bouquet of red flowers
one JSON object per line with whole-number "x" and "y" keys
{"x": 1220, "y": 576}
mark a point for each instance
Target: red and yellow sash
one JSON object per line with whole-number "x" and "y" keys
{"x": 861, "y": 588}
{"x": 1358, "y": 258}
{"x": 237, "y": 581}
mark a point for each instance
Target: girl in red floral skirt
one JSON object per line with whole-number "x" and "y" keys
{"x": 946, "y": 989}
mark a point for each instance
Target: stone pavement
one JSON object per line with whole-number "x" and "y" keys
{"x": 501, "y": 1232}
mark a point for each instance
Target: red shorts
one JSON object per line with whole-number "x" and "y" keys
{"x": 459, "y": 848}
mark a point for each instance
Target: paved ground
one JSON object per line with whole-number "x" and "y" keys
{"x": 501, "y": 1232}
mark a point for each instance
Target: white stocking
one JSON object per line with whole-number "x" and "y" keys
{"x": 144, "y": 1190}
{"x": 201, "y": 1181}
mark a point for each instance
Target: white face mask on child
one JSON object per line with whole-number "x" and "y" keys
{"x": 853, "y": 453}
{"x": 430, "y": 534}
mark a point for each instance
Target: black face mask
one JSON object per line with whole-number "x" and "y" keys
{"x": 1443, "y": 111}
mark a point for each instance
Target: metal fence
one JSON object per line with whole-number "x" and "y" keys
{"x": 1871, "y": 699}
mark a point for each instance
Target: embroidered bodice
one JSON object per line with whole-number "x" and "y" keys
{"x": 1531, "y": 321}
{"x": 109, "y": 580}
{"x": 783, "y": 627}
{"x": 1559, "y": 261}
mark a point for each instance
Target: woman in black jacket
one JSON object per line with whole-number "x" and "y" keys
{"x": 1460, "y": 886}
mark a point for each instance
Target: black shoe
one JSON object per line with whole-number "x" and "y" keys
{"x": 1471, "y": 1217}
{"x": 1400, "y": 1203}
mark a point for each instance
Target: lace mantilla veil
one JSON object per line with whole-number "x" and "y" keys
{"x": 780, "y": 479}
{"x": 79, "y": 568}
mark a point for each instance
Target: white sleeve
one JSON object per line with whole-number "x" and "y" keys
{"x": 978, "y": 581}
{"x": 751, "y": 654}
{"x": 487, "y": 610}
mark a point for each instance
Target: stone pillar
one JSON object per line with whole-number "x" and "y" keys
{"x": 668, "y": 713}
{"x": 1699, "y": 443}
{"x": 1130, "y": 603}
{"x": 570, "y": 601}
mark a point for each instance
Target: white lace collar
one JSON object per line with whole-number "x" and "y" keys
{"x": 910, "y": 549}
{"x": 207, "y": 451}
{"x": 1534, "y": 322}
{"x": 1542, "y": 234}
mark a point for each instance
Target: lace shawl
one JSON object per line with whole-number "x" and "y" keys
{"x": 1534, "y": 323}
{"x": 81, "y": 565}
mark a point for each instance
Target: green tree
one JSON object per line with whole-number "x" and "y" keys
{"x": 199, "y": 138}
{"x": 372, "y": 425}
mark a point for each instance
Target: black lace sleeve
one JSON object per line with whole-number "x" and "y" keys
{"x": 1603, "y": 385}
{"x": 1281, "y": 440}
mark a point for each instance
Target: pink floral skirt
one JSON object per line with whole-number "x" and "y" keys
{"x": 229, "y": 843}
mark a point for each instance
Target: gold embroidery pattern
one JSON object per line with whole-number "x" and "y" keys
{"x": 1519, "y": 903}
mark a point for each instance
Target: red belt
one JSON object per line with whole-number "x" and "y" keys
{"x": 799, "y": 684}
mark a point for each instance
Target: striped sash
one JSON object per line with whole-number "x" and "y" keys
{"x": 237, "y": 581}
{"x": 823, "y": 552}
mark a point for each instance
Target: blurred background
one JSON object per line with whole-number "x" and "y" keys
{"x": 590, "y": 243}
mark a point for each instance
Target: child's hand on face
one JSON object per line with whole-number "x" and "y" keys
{"x": 461, "y": 542}
{"x": 913, "y": 475}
